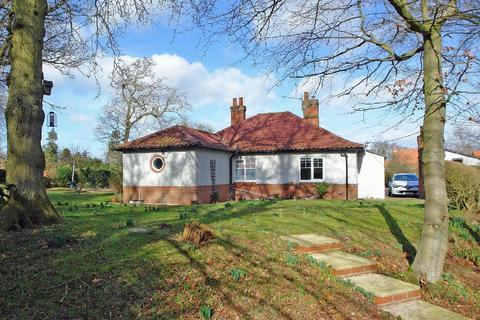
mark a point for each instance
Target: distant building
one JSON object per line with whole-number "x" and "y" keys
{"x": 467, "y": 159}
{"x": 409, "y": 157}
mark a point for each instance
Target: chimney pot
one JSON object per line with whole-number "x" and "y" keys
{"x": 234, "y": 103}
{"x": 240, "y": 101}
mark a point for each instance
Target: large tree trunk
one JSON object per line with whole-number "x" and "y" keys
{"x": 29, "y": 204}
{"x": 428, "y": 264}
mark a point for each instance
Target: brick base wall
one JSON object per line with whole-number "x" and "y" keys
{"x": 301, "y": 190}
{"x": 175, "y": 194}
{"x": 202, "y": 194}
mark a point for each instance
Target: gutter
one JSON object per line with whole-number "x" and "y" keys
{"x": 232, "y": 189}
{"x": 345, "y": 155}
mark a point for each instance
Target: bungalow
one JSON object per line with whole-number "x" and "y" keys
{"x": 269, "y": 154}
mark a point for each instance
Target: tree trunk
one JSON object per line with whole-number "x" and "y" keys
{"x": 428, "y": 263}
{"x": 29, "y": 204}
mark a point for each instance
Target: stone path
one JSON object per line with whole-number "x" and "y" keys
{"x": 397, "y": 297}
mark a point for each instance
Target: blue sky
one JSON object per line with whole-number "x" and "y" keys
{"x": 210, "y": 79}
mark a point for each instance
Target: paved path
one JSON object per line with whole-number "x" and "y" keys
{"x": 397, "y": 297}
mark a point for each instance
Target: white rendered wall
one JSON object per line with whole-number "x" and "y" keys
{"x": 469, "y": 161}
{"x": 179, "y": 169}
{"x": 371, "y": 176}
{"x": 284, "y": 168}
{"x": 203, "y": 157}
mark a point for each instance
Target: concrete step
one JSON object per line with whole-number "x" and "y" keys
{"x": 385, "y": 289}
{"x": 420, "y": 310}
{"x": 344, "y": 264}
{"x": 307, "y": 243}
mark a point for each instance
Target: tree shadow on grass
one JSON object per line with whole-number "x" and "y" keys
{"x": 222, "y": 287}
{"x": 296, "y": 277}
{"x": 395, "y": 229}
{"x": 474, "y": 232}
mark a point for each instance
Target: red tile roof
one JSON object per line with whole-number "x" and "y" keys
{"x": 265, "y": 132}
{"x": 175, "y": 137}
{"x": 405, "y": 156}
{"x": 281, "y": 131}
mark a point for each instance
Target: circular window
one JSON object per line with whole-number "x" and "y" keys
{"x": 157, "y": 163}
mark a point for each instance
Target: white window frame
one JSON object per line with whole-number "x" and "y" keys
{"x": 312, "y": 159}
{"x": 244, "y": 161}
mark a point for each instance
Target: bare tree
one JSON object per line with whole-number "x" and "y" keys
{"x": 384, "y": 148}
{"x": 413, "y": 57}
{"x": 465, "y": 137}
{"x": 186, "y": 121}
{"x": 141, "y": 101}
{"x": 64, "y": 34}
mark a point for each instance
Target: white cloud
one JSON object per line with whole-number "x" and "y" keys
{"x": 202, "y": 87}
{"x": 217, "y": 87}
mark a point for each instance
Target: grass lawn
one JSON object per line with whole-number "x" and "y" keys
{"x": 93, "y": 267}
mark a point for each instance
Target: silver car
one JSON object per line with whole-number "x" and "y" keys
{"x": 403, "y": 184}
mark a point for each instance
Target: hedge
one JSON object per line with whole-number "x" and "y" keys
{"x": 91, "y": 176}
{"x": 463, "y": 186}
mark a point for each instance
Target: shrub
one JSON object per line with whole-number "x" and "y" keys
{"x": 322, "y": 189}
{"x": 64, "y": 175}
{"x": 463, "y": 186}
{"x": 47, "y": 182}
{"x": 96, "y": 177}
{"x": 214, "y": 197}
{"x": 115, "y": 182}
{"x": 130, "y": 223}
{"x": 206, "y": 312}
{"x": 238, "y": 274}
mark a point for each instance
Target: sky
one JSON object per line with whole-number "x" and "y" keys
{"x": 210, "y": 79}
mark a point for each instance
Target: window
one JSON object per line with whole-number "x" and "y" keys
{"x": 305, "y": 169}
{"x": 157, "y": 163}
{"x": 250, "y": 169}
{"x": 311, "y": 169}
{"x": 317, "y": 168}
{"x": 245, "y": 169}
{"x": 239, "y": 170}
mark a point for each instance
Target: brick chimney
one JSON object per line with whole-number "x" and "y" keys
{"x": 310, "y": 110}
{"x": 237, "y": 111}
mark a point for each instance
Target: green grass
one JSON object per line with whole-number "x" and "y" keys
{"x": 92, "y": 266}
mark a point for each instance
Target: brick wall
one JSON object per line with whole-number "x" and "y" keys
{"x": 174, "y": 194}
{"x": 301, "y": 190}
{"x": 202, "y": 194}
